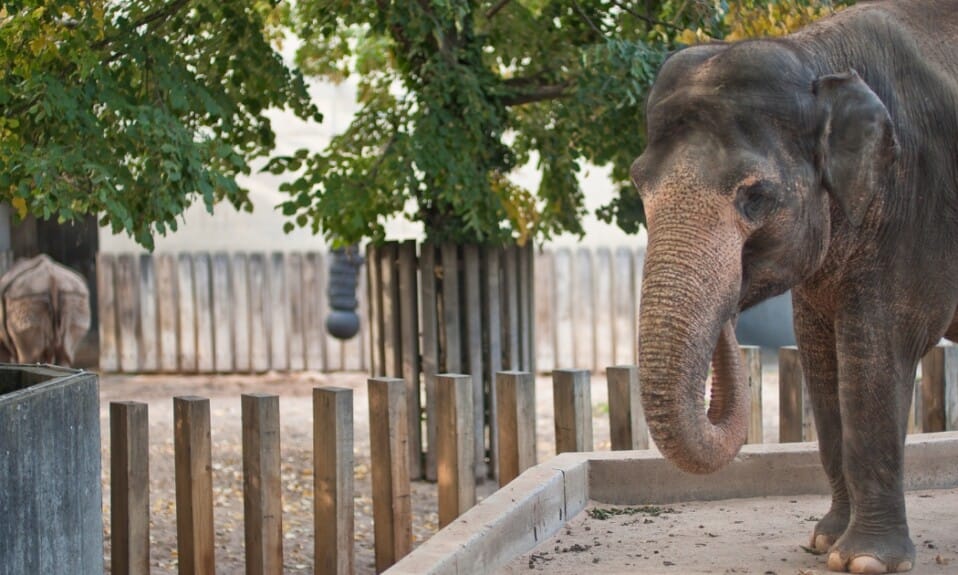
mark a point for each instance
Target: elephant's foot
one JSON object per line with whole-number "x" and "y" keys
{"x": 857, "y": 553}
{"x": 829, "y": 529}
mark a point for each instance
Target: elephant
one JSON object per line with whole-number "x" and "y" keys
{"x": 44, "y": 312}
{"x": 825, "y": 162}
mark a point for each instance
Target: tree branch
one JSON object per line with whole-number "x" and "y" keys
{"x": 495, "y": 9}
{"x": 644, "y": 18}
{"x": 537, "y": 94}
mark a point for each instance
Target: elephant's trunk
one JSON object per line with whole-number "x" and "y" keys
{"x": 690, "y": 296}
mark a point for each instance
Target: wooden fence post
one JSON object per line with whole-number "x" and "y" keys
{"x": 430, "y": 348}
{"x": 333, "y": 509}
{"x": 409, "y": 327}
{"x": 572, "y": 399}
{"x": 224, "y": 302}
{"x": 752, "y": 365}
{"x": 202, "y": 285}
{"x": 516, "y": 422}
{"x": 194, "y": 485}
{"x": 106, "y": 304}
{"x": 262, "y": 484}
{"x": 492, "y": 324}
{"x": 939, "y": 389}
{"x": 168, "y": 312}
{"x": 455, "y": 452}
{"x": 149, "y": 347}
{"x": 127, "y": 311}
{"x": 389, "y": 454}
{"x": 795, "y": 411}
{"x": 259, "y": 313}
{"x": 582, "y": 304}
{"x": 627, "y": 426}
{"x": 129, "y": 488}
{"x": 472, "y": 300}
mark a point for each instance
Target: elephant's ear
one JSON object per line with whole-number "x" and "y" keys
{"x": 857, "y": 141}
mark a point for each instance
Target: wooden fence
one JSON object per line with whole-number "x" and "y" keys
{"x": 219, "y": 313}
{"x": 333, "y": 505}
{"x": 206, "y": 313}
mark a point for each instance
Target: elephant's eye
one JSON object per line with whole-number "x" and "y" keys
{"x": 755, "y": 201}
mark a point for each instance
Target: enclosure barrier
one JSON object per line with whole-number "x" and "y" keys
{"x": 937, "y": 410}
{"x": 219, "y": 313}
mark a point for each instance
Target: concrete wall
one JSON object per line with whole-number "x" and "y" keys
{"x": 50, "y": 497}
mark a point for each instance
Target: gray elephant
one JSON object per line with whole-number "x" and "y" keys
{"x": 825, "y": 162}
{"x": 44, "y": 312}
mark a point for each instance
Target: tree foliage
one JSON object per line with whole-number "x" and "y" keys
{"x": 134, "y": 109}
{"x": 456, "y": 94}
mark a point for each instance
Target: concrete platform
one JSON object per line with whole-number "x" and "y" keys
{"x": 534, "y": 507}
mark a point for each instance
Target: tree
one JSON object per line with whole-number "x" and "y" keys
{"x": 132, "y": 110}
{"x": 455, "y": 94}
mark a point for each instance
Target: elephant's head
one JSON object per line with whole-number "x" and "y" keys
{"x": 752, "y": 160}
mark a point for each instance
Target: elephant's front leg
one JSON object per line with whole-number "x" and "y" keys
{"x": 875, "y": 383}
{"x": 816, "y": 337}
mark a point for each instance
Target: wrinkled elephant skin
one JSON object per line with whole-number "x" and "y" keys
{"x": 825, "y": 162}
{"x": 44, "y": 312}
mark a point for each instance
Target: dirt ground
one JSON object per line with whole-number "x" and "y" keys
{"x": 762, "y": 536}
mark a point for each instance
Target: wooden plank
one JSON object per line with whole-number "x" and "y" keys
{"x": 455, "y": 449}
{"x": 202, "y": 284}
{"x": 510, "y": 305}
{"x": 492, "y": 320}
{"x": 259, "y": 312}
{"x": 279, "y": 313}
{"x": 389, "y": 457}
{"x": 388, "y": 255}
{"x": 472, "y": 288}
{"x": 623, "y": 306}
{"x": 430, "y": 348}
{"x": 752, "y": 365}
{"x": 545, "y": 311}
{"x": 333, "y": 508}
{"x": 194, "y": 485}
{"x": 583, "y": 310}
{"x": 939, "y": 389}
{"x": 603, "y": 300}
{"x": 565, "y": 328}
{"x": 450, "y": 325}
{"x": 627, "y": 426}
{"x": 127, "y": 313}
{"x": 791, "y": 408}
{"x": 295, "y": 312}
{"x": 240, "y": 313}
{"x": 572, "y": 403}
{"x": 262, "y": 484}
{"x": 168, "y": 312}
{"x": 314, "y": 311}
{"x": 106, "y": 304}
{"x": 129, "y": 488}
{"x": 408, "y": 267}
{"x": 223, "y": 303}
{"x": 526, "y": 308}
{"x": 375, "y": 294}
{"x": 516, "y": 421}
{"x": 149, "y": 349}
{"x": 187, "y": 324}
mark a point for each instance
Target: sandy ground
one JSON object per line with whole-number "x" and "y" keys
{"x": 761, "y": 536}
